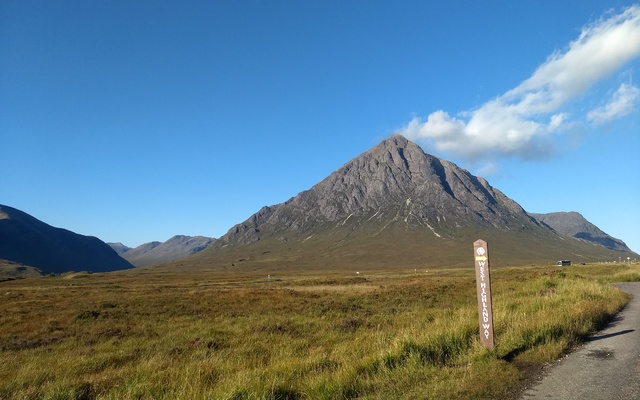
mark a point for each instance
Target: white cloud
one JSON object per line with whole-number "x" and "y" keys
{"x": 522, "y": 121}
{"x": 557, "y": 121}
{"x": 622, "y": 102}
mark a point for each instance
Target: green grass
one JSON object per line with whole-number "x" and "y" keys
{"x": 148, "y": 335}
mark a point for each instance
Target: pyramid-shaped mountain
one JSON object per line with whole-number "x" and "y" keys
{"x": 394, "y": 185}
{"x": 393, "y": 206}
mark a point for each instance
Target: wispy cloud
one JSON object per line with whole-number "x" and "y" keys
{"x": 622, "y": 102}
{"x": 523, "y": 121}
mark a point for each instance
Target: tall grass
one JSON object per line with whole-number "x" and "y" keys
{"x": 182, "y": 336}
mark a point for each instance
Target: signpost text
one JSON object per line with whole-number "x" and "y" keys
{"x": 483, "y": 285}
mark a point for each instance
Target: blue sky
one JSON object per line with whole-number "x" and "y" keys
{"x": 135, "y": 121}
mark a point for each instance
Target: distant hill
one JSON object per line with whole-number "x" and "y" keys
{"x": 10, "y": 270}
{"x": 151, "y": 253}
{"x": 393, "y": 206}
{"x": 28, "y": 241}
{"x": 119, "y": 247}
{"x": 573, "y": 224}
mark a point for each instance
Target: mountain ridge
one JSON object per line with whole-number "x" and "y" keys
{"x": 175, "y": 248}
{"x": 28, "y": 241}
{"x": 573, "y": 224}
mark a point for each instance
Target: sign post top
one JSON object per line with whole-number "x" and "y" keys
{"x": 480, "y": 243}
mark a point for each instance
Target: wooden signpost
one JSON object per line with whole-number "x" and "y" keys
{"x": 483, "y": 285}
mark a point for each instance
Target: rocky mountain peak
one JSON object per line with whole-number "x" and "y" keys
{"x": 393, "y": 184}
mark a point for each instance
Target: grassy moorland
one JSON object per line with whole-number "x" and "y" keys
{"x": 206, "y": 335}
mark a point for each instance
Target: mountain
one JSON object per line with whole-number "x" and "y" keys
{"x": 119, "y": 247}
{"x": 393, "y": 207}
{"x": 175, "y": 248}
{"x": 28, "y": 241}
{"x": 573, "y": 224}
{"x": 394, "y": 185}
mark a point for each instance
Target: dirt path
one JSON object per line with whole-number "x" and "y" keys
{"x": 606, "y": 367}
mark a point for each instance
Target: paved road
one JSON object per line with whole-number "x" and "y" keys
{"x": 607, "y": 367}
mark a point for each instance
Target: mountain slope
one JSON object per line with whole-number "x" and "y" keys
{"x": 573, "y": 224}
{"x": 26, "y": 240}
{"x": 175, "y": 248}
{"x": 393, "y": 206}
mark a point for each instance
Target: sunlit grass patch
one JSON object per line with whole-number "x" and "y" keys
{"x": 392, "y": 336}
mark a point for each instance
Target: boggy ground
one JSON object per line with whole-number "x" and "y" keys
{"x": 150, "y": 334}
